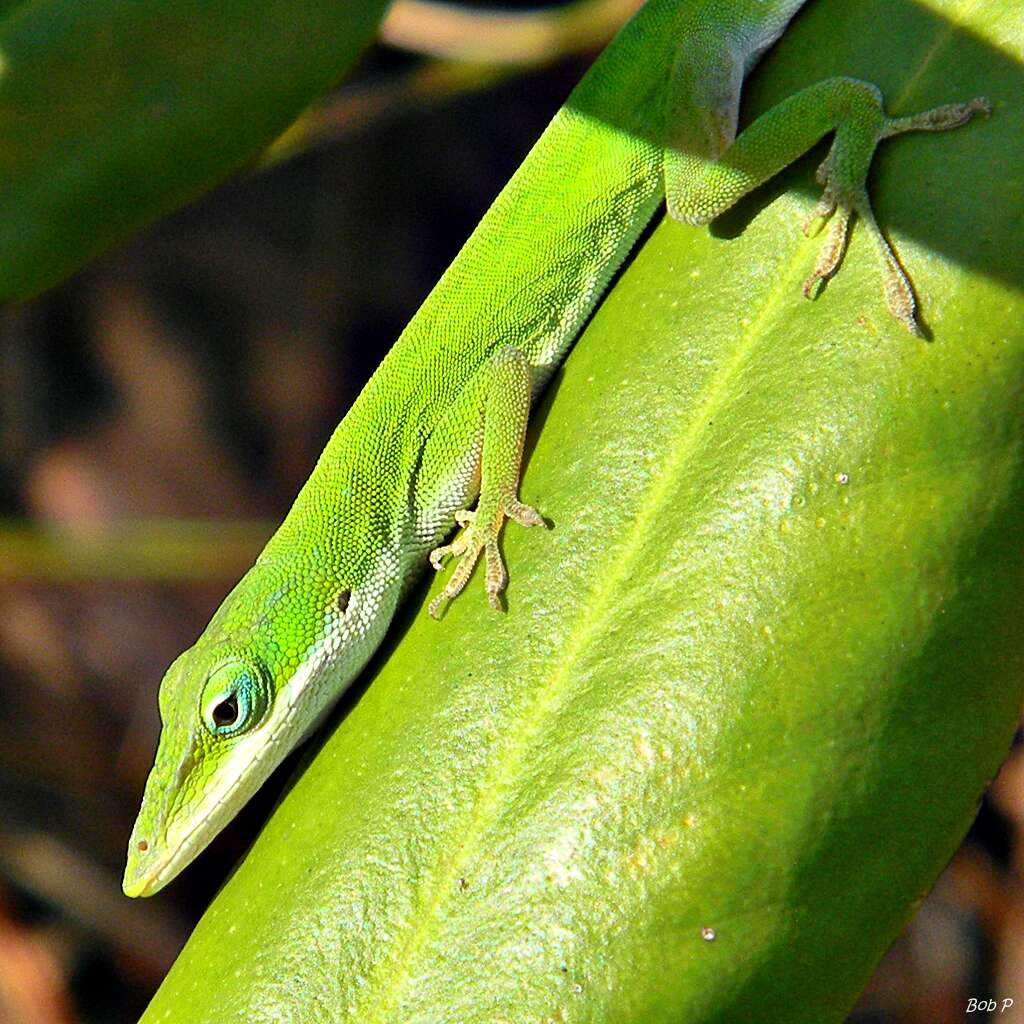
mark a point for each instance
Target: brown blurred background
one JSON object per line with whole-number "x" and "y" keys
{"x": 158, "y": 414}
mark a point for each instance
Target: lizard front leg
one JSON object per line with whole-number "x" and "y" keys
{"x": 505, "y": 408}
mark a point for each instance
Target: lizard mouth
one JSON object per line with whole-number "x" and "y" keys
{"x": 158, "y": 852}
{"x": 152, "y": 864}
{"x": 143, "y": 876}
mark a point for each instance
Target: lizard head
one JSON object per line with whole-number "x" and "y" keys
{"x": 262, "y": 676}
{"x": 217, "y": 711}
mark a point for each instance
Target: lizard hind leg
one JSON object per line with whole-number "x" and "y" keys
{"x": 699, "y": 188}
{"x": 506, "y": 409}
{"x": 842, "y": 176}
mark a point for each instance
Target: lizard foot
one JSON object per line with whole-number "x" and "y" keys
{"x": 842, "y": 176}
{"x": 479, "y": 534}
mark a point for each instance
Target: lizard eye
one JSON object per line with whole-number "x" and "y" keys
{"x": 226, "y": 712}
{"x": 235, "y": 698}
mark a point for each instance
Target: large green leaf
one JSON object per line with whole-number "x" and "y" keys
{"x": 114, "y": 112}
{"x": 756, "y": 677}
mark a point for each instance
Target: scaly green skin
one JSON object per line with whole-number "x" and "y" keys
{"x": 449, "y": 403}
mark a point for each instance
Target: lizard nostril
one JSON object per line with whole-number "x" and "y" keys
{"x": 143, "y": 846}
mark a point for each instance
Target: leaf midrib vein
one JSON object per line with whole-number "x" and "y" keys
{"x": 591, "y": 623}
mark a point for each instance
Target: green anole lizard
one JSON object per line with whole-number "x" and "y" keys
{"x": 442, "y": 421}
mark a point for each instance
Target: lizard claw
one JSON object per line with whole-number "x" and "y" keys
{"x": 458, "y": 546}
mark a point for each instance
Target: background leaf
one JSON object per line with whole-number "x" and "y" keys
{"x": 757, "y": 676}
{"x": 115, "y": 112}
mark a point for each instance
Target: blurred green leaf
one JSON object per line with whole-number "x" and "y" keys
{"x": 114, "y": 112}
{"x": 750, "y": 687}
{"x": 136, "y": 549}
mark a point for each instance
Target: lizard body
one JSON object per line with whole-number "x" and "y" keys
{"x": 442, "y": 420}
